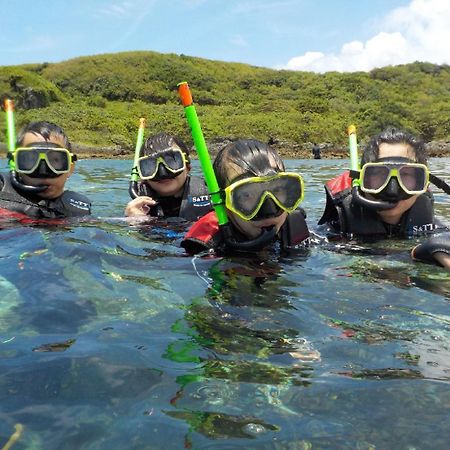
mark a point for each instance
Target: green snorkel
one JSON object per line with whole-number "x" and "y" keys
{"x": 11, "y": 132}
{"x": 211, "y": 180}
{"x": 202, "y": 152}
{"x": 134, "y": 178}
{"x": 354, "y": 159}
{"x": 355, "y": 174}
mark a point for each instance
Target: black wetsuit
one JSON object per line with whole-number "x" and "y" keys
{"x": 193, "y": 204}
{"x": 69, "y": 204}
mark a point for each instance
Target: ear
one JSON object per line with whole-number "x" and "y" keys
{"x": 72, "y": 168}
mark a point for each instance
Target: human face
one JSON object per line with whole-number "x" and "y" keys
{"x": 55, "y": 185}
{"x": 170, "y": 187}
{"x": 252, "y": 228}
{"x": 392, "y": 216}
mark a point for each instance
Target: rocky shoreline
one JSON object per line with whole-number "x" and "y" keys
{"x": 435, "y": 149}
{"x": 289, "y": 150}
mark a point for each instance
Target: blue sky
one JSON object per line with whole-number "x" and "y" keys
{"x": 316, "y": 35}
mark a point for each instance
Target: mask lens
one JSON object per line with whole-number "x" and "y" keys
{"x": 413, "y": 178}
{"x": 375, "y": 177}
{"x": 26, "y": 160}
{"x": 245, "y": 198}
{"x": 287, "y": 190}
{"x": 174, "y": 160}
{"x": 58, "y": 160}
{"x": 147, "y": 167}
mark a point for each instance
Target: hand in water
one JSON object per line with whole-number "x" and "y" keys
{"x": 140, "y": 206}
{"x": 435, "y": 250}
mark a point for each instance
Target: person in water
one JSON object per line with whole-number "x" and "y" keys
{"x": 42, "y": 163}
{"x": 261, "y": 201}
{"x": 316, "y": 151}
{"x": 166, "y": 188}
{"x": 393, "y": 196}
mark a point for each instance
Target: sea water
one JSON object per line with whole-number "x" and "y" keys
{"x": 111, "y": 338}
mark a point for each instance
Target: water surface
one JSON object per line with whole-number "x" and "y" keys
{"x": 111, "y": 338}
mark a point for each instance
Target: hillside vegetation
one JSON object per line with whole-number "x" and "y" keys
{"x": 99, "y": 99}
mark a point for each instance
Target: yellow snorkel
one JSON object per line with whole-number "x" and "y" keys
{"x": 134, "y": 177}
{"x": 11, "y": 134}
{"x": 10, "y": 131}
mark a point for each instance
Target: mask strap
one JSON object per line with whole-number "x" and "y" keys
{"x": 440, "y": 183}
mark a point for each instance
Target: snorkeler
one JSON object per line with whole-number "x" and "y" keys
{"x": 166, "y": 189}
{"x": 261, "y": 201}
{"x": 41, "y": 162}
{"x": 392, "y": 198}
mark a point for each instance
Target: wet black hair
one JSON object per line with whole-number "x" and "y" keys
{"x": 46, "y": 130}
{"x": 393, "y": 135}
{"x": 160, "y": 142}
{"x": 254, "y": 158}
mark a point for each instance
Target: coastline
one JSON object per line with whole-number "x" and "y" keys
{"x": 435, "y": 149}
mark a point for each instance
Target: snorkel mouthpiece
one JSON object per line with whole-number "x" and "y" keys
{"x": 267, "y": 236}
{"x": 358, "y": 198}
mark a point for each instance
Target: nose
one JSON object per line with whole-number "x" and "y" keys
{"x": 268, "y": 209}
{"x": 392, "y": 190}
{"x": 163, "y": 173}
{"x": 42, "y": 168}
{"x": 43, "y": 171}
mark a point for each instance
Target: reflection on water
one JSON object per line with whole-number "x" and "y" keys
{"x": 111, "y": 338}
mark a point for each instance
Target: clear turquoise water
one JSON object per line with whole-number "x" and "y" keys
{"x": 111, "y": 339}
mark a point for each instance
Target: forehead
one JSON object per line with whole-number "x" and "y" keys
{"x": 235, "y": 170}
{"x": 30, "y": 138}
{"x": 399, "y": 149}
{"x": 161, "y": 152}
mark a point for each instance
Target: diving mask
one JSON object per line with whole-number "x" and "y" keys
{"x": 174, "y": 161}
{"x": 245, "y": 197}
{"x": 43, "y": 159}
{"x": 413, "y": 178}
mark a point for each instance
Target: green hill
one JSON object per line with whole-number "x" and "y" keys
{"x": 99, "y": 99}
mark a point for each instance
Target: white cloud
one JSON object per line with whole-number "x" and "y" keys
{"x": 417, "y": 32}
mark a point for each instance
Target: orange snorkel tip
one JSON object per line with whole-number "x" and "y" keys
{"x": 185, "y": 94}
{"x": 8, "y": 105}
